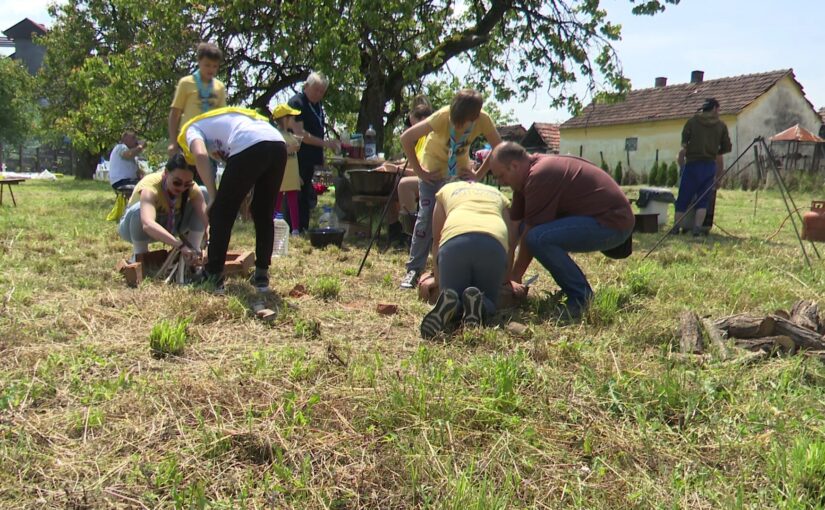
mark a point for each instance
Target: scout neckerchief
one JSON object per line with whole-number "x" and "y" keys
{"x": 212, "y": 113}
{"x": 170, "y": 204}
{"x": 204, "y": 91}
{"x": 452, "y": 162}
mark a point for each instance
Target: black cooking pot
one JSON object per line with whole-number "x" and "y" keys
{"x": 371, "y": 182}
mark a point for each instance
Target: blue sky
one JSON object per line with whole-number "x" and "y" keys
{"x": 720, "y": 37}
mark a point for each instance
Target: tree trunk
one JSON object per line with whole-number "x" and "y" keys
{"x": 86, "y": 164}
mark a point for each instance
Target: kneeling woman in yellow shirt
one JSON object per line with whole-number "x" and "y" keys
{"x": 471, "y": 254}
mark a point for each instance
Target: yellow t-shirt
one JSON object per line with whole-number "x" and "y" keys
{"x": 188, "y": 100}
{"x": 292, "y": 180}
{"x": 472, "y": 207}
{"x": 154, "y": 183}
{"x": 437, "y": 147}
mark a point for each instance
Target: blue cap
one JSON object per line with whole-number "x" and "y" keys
{"x": 279, "y": 216}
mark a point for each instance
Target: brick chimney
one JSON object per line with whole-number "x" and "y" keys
{"x": 660, "y": 82}
{"x": 697, "y": 76}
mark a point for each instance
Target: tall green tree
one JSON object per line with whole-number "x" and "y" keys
{"x": 117, "y": 60}
{"x": 18, "y": 108}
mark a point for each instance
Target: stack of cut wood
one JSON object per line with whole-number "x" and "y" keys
{"x": 801, "y": 331}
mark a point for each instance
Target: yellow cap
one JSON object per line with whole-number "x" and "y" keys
{"x": 283, "y": 109}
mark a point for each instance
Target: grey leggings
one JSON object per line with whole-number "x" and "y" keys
{"x": 473, "y": 260}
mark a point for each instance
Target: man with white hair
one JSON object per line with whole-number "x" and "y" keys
{"x": 311, "y": 121}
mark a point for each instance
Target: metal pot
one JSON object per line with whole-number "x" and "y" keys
{"x": 371, "y": 182}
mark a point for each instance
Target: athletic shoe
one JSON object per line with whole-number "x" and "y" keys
{"x": 473, "y": 300}
{"x": 439, "y": 317}
{"x": 260, "y": 282}
{"x": 410, "y": 279}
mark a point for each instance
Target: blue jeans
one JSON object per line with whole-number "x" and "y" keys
{"x": 550, "y": 243}
{"x": 460, "y": 266}
{"x": 130, "y": 227}
{"x": 423, "y": 231}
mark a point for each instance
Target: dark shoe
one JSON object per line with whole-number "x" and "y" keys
{"x": 440, "y": 316}
{"x": 569, "y": 313}
{"x": 410, "y": 279}
{"x": 698, "y": 232}
{"x": 209, "y": 282}
{"x": 473, "y": 301}
{"x": 260, "y": 282}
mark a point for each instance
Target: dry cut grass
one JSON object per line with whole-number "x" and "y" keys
{"x": 336, "y": 406}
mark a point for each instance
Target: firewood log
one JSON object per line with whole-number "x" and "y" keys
{"x": 806, "y": 314}
{"x": 745, "y": 325}
{"x": 803, "y": 338}
{"x": 720, "y": 345}
{"x": 690, "y": 333}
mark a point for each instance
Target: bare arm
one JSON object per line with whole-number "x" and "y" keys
{"x": 439, "y": 216}
{"x": 148, "y": 220}
{"x": 512, "y": 239}
{"x": 313, "y": 140}
{"x": 198, "y": 149}
{"x": 494, "y": 139}
{"x": 408, "y": 140}
{"x": 523, "y": 258}
{"x": 174, "y": 125}
{"x": 131, "y": 153}
{"x": 199, "y": 205}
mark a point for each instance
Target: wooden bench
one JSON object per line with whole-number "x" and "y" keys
{"x": 9, "y": 183}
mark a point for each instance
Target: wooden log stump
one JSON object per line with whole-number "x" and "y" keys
{"x": 745, "y": 325}
{"x": 779, "y": 343}
{"x": 690, "y": 334}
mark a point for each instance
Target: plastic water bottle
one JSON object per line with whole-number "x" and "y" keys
{"x": 327, "y": 219}
{"x": 280, "y": 245}
{"x": 370, "y": 150}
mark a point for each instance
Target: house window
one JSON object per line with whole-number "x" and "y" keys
{"x": 630, "y": 143}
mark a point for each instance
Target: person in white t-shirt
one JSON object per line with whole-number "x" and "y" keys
{"x": 255, "y": 155}
{"x": 123, "y": 166}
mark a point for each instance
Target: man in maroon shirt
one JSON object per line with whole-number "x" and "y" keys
{"x": 566, "y": 204}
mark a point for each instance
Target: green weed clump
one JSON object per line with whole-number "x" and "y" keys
{"x": 327, "y": 287}
{"x": 799, "y": 471}
{"x": 168, "y": 338}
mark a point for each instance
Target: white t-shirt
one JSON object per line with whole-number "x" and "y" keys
{"x": 120, "y": 167}
{"x": 230, "y": 133}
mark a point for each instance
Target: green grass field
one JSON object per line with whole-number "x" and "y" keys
{"x": 334, "y": 406}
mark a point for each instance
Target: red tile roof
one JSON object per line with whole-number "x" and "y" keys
{"x": 796, "y": 133}
{"x": 24, "y": 29}
{"x": 680, "y": 100}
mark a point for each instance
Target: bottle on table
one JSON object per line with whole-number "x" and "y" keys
{"x": 370, "y": 143}
{"x": 280, "y": 244}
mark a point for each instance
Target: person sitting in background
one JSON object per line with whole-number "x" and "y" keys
{"x": 123, "y": 166}
{"x": 445, "y": 157}
{"x": 284, "y": 117}
{"x": 471, "y": 254}
{"x": 167, "y": 208}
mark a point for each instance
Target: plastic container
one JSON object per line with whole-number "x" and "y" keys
{"x": 328, "y": 219}
{"x": 370, "y": 143}
{"x": 280, "y": 245}
{"x": 813, "y": 222}
{"x": 656, "y": 201}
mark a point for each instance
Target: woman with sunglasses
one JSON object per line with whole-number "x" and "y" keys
{"x": 166, "y": 207}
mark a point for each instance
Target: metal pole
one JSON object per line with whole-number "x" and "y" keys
{"x": 383, "y": 215}
{"x": 786, "y": 197}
